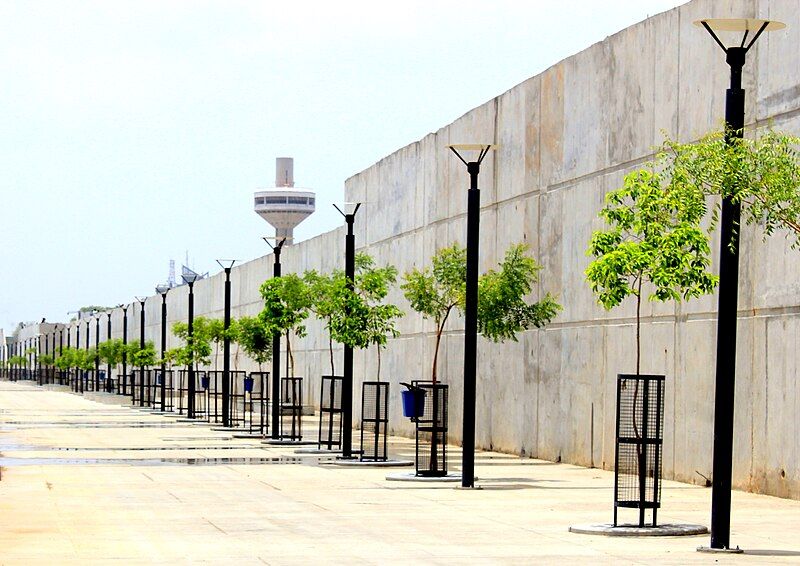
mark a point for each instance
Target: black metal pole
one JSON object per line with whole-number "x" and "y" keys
{"x": 84, "y": 377}
{"x": 141, "y": 347}
{"x": 163, "y": 351}
{"x": 109, "y": 388}
{"x": 347, "y": 377}
{"x": 726, "y": 322}
{"x": 97, "y": 354}
{"x": 124, "y": 350}
{"x": 190, "y": 365}
{"x": 226, "y": 353}
{"x": 38, "y": 363}
{"x": 276, "y": 356}
{"x": 471, "y": 326}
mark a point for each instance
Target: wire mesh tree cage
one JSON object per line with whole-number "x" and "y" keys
{"x": 431, "y": 431}
{"x": 374, "y": 420}
{"x": 639, "y": 444}
{"x": 330, "y": 413}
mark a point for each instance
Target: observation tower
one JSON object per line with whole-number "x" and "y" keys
{"x": 284, "y": 206}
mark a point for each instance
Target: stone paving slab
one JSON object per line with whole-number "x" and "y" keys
{"x": 293, "y": 511}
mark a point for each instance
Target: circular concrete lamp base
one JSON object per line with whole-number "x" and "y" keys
{"x": 318, "y": 451}
{"x": 452, "y": 477}
{"x": 665, "y": 530}
{"x": 710, "y": 550}
{"x": 290, "y": 442}
{"x": 369, "y": 463}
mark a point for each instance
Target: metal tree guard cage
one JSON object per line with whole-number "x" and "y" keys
{"x": 639, "y": 443}
{"x": 182, "y": 390}
{"x": 330, "y": 413}
{"x": 200, "y": 395}
{"x": 237, "y": 398}
{"x": 291, "y": 408}
{"x": 431, "y": 433}
{"x": 214, "y": 395}
{"x": 256, "y": 403}
{"x": 374, "y": 420}
{"x": 169, "y": 397}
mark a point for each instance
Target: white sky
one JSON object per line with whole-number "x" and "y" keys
{"x": 131, "y": 132}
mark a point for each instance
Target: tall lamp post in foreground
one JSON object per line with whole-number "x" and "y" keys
{"x": 189, "y": 279}
{"x": 141, "y": 347}
{"x": 276, "y": 348}
{"x": 471, "y": 307}
{"x": 728, "y": 283}
{"x": 347, "y": 377}
{"x": 226, "y": 264}
{"x": 163, "y": 290}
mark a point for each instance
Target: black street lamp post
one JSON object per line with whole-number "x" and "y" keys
{"x": 728, "y": 284}
{"x": 163, "y": 290}
{"x": 190, "y": 280}
{"x": 347, "y": 374}
{"x": 276, "y": 351}
{"x": 39, "y": 355}
{"x": 142, "y": 301}
{"x": 109, "y": 387}
{"x": 226, "y": 264}
{"x": 124, "y": 349}
{"x": 471, "y": 308}
{"x": 97, "y": 353}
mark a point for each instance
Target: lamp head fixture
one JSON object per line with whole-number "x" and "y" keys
{"x": 746, "y": 25}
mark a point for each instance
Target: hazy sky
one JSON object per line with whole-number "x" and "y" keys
{"x": 133, "y": 132}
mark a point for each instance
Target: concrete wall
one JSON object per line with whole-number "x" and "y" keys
{"x": 567, "y": 136}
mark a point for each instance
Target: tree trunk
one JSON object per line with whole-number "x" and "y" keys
{"x": 330, "y": 349}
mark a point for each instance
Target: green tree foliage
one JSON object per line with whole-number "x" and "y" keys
{"x": 361, "y": 318}
{"x": 19, "y": 361}
{"x": 653, "y": 236}
{"x": 502, "y": 310}
{"x": 46, "y": 360}
{"x": 326, "y": 296}
{"x": 196, "y": 348}
{"x": 434, "y": 292}
{"x": 65, "y": 360}
{"x": 286, "y": 307}
{"x": 111, "y": 351}
{"x": 142, "y": 357}
{"x": 255, "y": 338}
{"x": 215, "y": 330}
{"x": 763, "y": 174}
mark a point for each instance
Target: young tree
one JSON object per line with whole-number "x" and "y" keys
{"x": 653, "y": 236}
{"x": 502, "y": 308}
{"x": 326, "y": 292}
{"x": 142, "y": 357}
{"x": 111, "y": 352}
{"x": 215, "y": 330}
{"x": 255, "y": 338}
{"x": 197, "y": 347}
{"x": 286, "y": 306}
{"x": 362, "y": 319}
{"x": 435, "y": 292}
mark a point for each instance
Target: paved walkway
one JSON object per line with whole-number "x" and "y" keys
{"x": 86, "y": 482}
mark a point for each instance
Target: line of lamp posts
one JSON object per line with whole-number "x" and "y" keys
{"x": 727, "y": 307}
